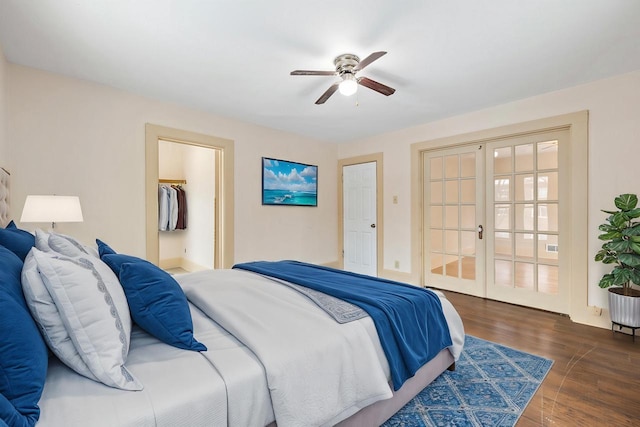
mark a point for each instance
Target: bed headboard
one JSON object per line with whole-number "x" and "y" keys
{"x": 4, "y": 196}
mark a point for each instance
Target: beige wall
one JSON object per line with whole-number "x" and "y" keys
{"x": 70, "y": 136}
{"x": 614, "y": 141}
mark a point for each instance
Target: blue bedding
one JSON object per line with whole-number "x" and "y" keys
{"x": 409, "y": 320}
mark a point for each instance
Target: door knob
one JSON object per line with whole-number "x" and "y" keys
{"x": 373, "y": 226}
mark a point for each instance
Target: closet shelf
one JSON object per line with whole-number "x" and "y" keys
{"x": 172, "y": 181}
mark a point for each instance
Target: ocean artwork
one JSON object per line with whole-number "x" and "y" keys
{"x": 289, "y": 183}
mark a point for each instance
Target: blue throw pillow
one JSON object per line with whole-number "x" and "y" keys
{"x": 23, "y": 363}
{"x": 9, "y": 416}
{"x": 103, "y": 248}
{"x": 158, "y": 304}
{"x": 16, "y": 240}
{"x": 10, "y": 275}
{"x": 115, "y": 261}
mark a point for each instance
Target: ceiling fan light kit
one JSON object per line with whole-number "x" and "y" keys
{"x": 347, "y": 65}
{"x": 349, "y": 85}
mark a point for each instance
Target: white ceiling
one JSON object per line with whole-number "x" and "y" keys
{"x": 233, "y": 57}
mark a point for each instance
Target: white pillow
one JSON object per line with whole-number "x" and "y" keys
{"x": 94, "y": 311}
{"x": 48, "y": 319}
{"x": 62, "y": 244}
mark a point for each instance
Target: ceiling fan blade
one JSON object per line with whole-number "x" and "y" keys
{"x": 312, "y": 73}
{"x": 368, "y": 60}
{"x": 378, "y": 87}
{"x": 332, "y": 89}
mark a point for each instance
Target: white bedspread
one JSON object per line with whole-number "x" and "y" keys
{"x": 318, "y": 371}
{"x": 181, "y": 388}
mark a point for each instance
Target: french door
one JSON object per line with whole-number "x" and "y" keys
{"x": 453, "y": 212}
{"x": 493, "y": 220}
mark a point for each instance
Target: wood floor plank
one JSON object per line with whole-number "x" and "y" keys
{"x": 595, "y": 378}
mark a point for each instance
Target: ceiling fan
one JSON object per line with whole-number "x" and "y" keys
{"x": 347, "y": 65}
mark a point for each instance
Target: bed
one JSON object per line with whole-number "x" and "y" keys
{"x": 256, "y": 350}
{"x": 227, "y": 384}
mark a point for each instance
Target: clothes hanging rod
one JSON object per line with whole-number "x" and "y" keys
{"x": 172, "y": 181}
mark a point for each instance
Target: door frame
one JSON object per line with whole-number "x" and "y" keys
{"x": 224, "y": 221}
{"x": 577, "y": 232}
{"x": 368, "y": 158}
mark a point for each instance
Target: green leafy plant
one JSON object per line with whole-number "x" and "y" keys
{"x": 621, "y": 234}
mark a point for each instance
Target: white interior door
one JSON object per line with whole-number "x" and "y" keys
{"x": 453, "y": 211}
{"x": 359, "y": 213}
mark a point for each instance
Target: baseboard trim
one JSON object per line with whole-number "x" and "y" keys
{"x": 183, "y": 263}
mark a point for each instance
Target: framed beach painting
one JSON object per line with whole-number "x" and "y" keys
{"x": 289, "y": 183}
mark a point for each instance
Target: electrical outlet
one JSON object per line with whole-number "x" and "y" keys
{"x": 396, "y": 264}
{"x": 594, "y": 310}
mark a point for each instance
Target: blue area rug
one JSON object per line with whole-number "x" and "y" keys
{"x": 491, "y": 386}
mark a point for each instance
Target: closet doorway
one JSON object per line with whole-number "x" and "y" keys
{"x": 202, "y": 167}
{"x": 187, "y": 192}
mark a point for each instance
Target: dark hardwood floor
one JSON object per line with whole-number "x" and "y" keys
{"x": 595, "y": 378}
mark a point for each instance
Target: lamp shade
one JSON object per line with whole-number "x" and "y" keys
{"x": 52, "y": 209}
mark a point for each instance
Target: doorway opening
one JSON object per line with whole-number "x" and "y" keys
{"x": 205, "y": 168}
{"x": 187, "y": 192}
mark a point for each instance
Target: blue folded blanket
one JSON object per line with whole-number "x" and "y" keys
{"x": 409, "y": 320}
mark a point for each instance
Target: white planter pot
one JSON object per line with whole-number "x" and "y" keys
{"x": 624, "y": 310}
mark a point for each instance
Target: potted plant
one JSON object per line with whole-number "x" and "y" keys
{"x": 621, "y": 247}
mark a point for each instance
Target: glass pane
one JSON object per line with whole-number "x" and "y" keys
{"x": 468, "y": 242}
{"x": 451, "y": 217}
{"x": 451, "y": 166}
{"x": 524, "y": 217}
{"x": 524, "y": 187}
{"x": 452, "y": 266}
{"x": 524, "y": 245}
{"x": 548, "y": 186}
{"x": 502, "y": 218}
{"x": 468, "y": 165}
{"x": 468, "y": 189}
{"x": 469, "y": 268}
{"x": 451, "y": 192}
{"x": 548, "y": 155}
{"x": 468, "y": 219}
{"x": 524, "y": 157}
{"x": 435, "y": 165}
{"x": 501, "y": 189}
{"x": 548, "y": 217}
{"x": 451, "y": 243}
{"x": 503, "y": 273}
{"x": 547, "y": 247}
{"x": 436, "y": 192}
{"x": 524, "y": 276}
{"x": 548, "y": 279}
{"x": 436, "y": 216}
{"x": 437, "y": 263}
{"x": 503, "y": 243}
{"x": 436, "y": 240}
{"x": 502, "y": 160}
